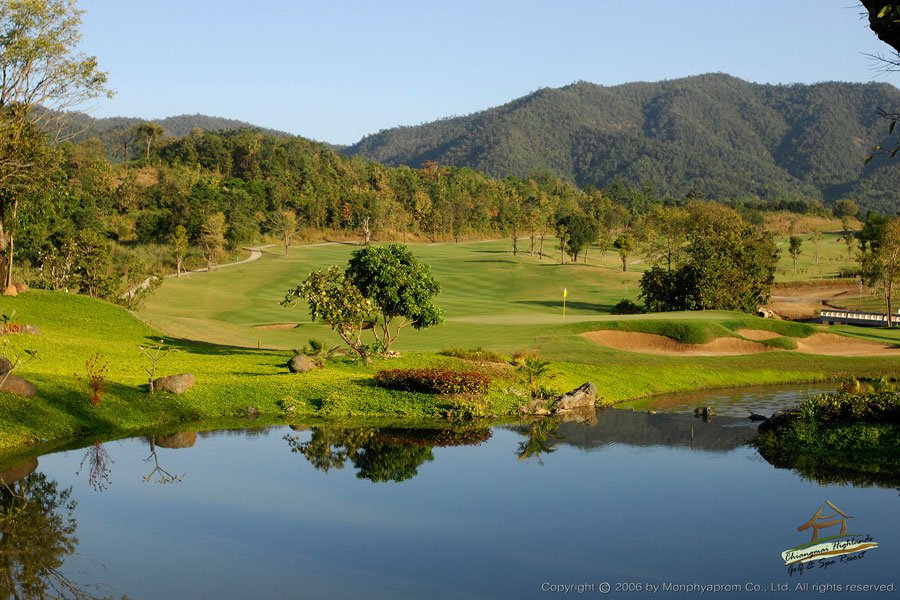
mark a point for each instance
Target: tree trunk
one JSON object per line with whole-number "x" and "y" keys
{"x": 889, "y": 307}
{"x": 541, "y": 249}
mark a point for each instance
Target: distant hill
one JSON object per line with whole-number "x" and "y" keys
{"x": 109, "y": 128}
{"x": 720, "y": 135}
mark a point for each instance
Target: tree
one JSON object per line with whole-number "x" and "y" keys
{"x": 149, "y": 132}
{"x": 728, "y": 265}
{"x": 285, "y": 223}
{"x": 795, "y": 242}
{"x": 212, "y": 239}
{"x": 42, "y": 77}
{"x": 579, "y": 231}
{"x": 880, "y": 264}
{"x": 624, "y": 244}
{"x": 816, "y": 238}
{"x": 179, "y": 242}
{"x": 845, "y": 208}
{"x": 398, "y": 286}
{"x": 92, "y": 263}
{"x": 333, "y": 298}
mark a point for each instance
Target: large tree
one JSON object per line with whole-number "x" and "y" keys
{"x": 880, "y": 264}
{"x": 41, "y": 76}
{"x": 399, "y": 287}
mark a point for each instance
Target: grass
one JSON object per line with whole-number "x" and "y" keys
{"x": 492, "y": 300}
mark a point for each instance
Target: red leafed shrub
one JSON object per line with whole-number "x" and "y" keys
{"x": 433, "y": 381}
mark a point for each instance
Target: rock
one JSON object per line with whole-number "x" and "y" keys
{"x": 10, "y": 290}
{"x": 17, "y": 385}
{"x": 586, "y": 395}
{"x": 10, "y": 476}
{"x": 5, "y": 365}
{"x": 30, "y": 329}
{"x": 534, "y": 407}
{"x": 175, "y": 384}
{"x": 543, "y": 412}
{"x": 756, "y": 417}
{"x": 22, "y": 287}
{"x": 252, "y": 412}
{"x": 586, "y": 415}
{"x": 300, "y": 427}
{"x": 704, "y": 412}
{"x": 301, "y": 364}
{"x": 185, "y": 439}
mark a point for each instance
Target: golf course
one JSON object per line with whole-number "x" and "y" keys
{"x": 227, "y": 327}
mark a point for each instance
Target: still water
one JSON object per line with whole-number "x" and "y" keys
{"x": 523, "y": 510}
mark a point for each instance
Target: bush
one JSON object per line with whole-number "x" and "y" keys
{"x": 477, "y": 355}
{"x": 627, "y": 307}
{"x": 844, "y": 407}
{"x": 433, "y": 381}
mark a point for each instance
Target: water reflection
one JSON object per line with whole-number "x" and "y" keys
{"x": 37, "y": 537}
{"x": 542, "y": 439}
{"x": 381, "y": 454}
{"x": 174, "y": 441}
{"x": 99, "y": 466}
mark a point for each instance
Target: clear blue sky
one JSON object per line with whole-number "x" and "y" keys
{"x": 336, "y": 71}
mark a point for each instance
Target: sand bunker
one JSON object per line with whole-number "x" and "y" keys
{"x": 819, "y": 343}
{"x": 839, "y": 345}
{"x": 757, "y": 334}
{"x": 649, "y": 343}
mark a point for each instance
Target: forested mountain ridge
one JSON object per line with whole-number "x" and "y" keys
{"x": 715, "y": 133}
{"x": 113, "y": 131}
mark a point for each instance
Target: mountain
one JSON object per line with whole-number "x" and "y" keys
{"x": 714, "y": 133}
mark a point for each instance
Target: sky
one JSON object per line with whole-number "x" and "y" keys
{"x": 337, "y": 71}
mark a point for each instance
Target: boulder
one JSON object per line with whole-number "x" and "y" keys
{"x": 22, "y": 287}
{"x": 16, "y": 385}
{"x": 252, "y": 412}
{"x": 704, "y": 412}
{"x": 301, "y": 364}
{"x": 5, "y": 365}
{"x": 185, "y": 439}
{"x": 10, "y": 290}
{"x": 586, "y": 395}
{"x": 300, "y": 427}
{"x": 175, "y": 384}
{"x": 30, "y": 329}
{"x": 587, "y": 415}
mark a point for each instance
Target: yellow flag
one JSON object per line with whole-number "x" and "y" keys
{"x": 565, "y": 292}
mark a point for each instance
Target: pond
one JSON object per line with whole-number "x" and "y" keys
{"x": 660, "y": 502}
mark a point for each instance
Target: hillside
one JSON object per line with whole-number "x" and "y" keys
{"x": 112, "y": 131}
{"x": 720, "y": 135}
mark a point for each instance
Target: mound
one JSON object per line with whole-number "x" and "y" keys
{"x": 649, "y": 343}
{"x": 839, "y": 345}
{"x": 757, "y": 334}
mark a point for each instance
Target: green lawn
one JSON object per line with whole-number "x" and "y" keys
{"x": 491, "y": 299}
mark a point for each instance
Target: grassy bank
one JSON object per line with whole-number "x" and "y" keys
{"x": 843, "y": 437}
{"x": 229, "y": 378}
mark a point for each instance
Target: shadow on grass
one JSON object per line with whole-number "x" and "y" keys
{"x": 208, "y": 348}
{"x": 600, "y": 308}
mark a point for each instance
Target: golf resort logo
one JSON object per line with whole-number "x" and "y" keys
{"x": 831, "y": 548}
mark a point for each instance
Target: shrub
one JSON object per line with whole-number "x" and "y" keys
{"x": 627, "y": 307}
{"x": 433, "y": 381}
{"x": 478, "y": 355}
{"x": 95, "y": 384}
{"x": 848, "y": 407}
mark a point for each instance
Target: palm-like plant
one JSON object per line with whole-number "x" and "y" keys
{"x": 534, "y": 373}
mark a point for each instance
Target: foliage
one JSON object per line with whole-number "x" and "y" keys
{"x": 729, "y": 265}
{"x": 476, "y": 355}
{"x": 626, "y": 307}
{"x": 580, "y": 231}
{"x": 397, "y": 286}
{"x": 624, "y": 244}
{"x": 179, "y": 242}
{"x": 534, "y": 373}
{"x": 880, "y": 263}
{"x": 96, "y": 370}
{"x": 433, "y": 381}
{"x": 468, "y": 406}
{"x": 333, "y": 298}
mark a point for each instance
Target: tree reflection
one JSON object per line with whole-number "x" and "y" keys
{"x": 37, "y": 538}
{"x": 99, "y": 462}
{"x": 542, "y": 439}
{"x": 162, "y": 476}
{"x": 374, "y": 458}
